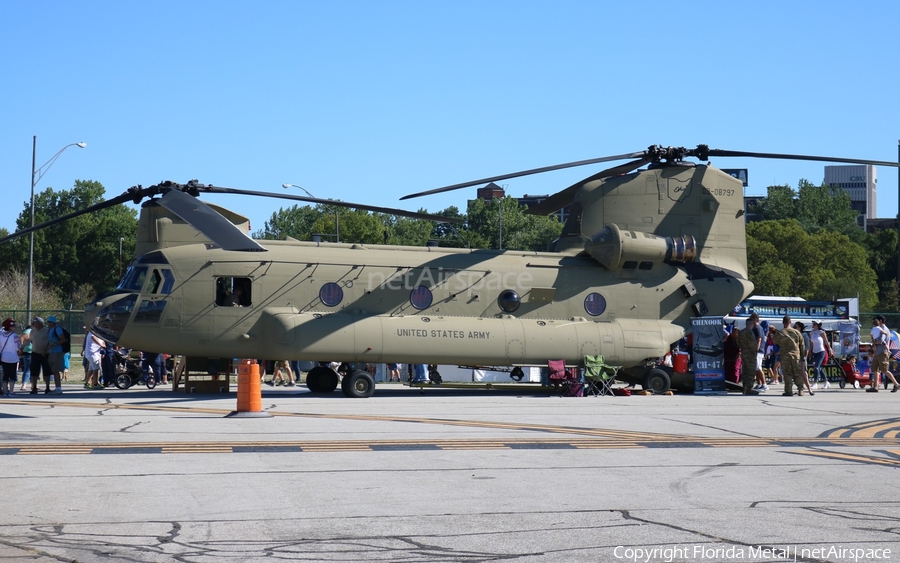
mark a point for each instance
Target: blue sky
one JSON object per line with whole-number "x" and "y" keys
{"x": 369, "y": 101}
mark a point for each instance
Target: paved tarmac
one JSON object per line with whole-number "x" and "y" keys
{"x": 450, "y": 475}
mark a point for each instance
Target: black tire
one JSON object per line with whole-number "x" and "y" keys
{"x": 151, "y": 382}
{"x": 842, "y": 384}
{"x": 123, "y": 381}
{"x": 657, "y": 381}
{"x": 517, "y": 374}
{"x": 358, "y": 385}
{"x": 321, "y": 379}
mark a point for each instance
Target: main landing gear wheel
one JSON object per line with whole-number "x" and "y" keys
{"x": 321, "y": 379}
{"x": 358, "y": 384}
{"x": 657, "y": 381}
{"x": 517, "y": 374}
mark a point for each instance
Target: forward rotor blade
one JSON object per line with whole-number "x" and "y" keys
{"x": 564, "y": 197}
{"x": 202, "y": 217}
{"x": 526, "y": 173}
{"x": 127, "y": 196}
{"x": 720, "y": 152}
{"x": 385, "y": 210}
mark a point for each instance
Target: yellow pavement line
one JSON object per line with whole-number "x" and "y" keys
{"x": 853, "y": 457}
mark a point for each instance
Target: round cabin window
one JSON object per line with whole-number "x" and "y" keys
{"x": 594, "y": 304}
{"x": 331, "y": 294}
{"x": 509, "y": 300}
{"x": 420, "y": 297}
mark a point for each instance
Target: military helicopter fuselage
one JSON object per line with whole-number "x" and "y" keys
{"x": 644, "y": 253}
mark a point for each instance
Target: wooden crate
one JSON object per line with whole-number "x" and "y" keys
{"x": 194, "y": 383}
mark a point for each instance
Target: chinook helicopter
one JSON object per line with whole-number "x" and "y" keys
{"x": 641, "y": 253}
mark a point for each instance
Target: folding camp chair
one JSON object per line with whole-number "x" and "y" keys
{"x": 560, "y": 377}
{"x": 599, "y": 376}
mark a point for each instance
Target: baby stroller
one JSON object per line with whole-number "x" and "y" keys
{"x": 128, "y": 372}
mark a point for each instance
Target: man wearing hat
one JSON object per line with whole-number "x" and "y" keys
{"x": 750, "y": 340}
{"x": 56, "y": 338}
{"x": 791, "y": 347}
{"x": 40, "y": 360}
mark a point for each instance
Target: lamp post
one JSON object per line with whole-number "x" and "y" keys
{"x": 337, "y": 225}
{"x": 121, "y": 240}
{"x": 36, "y": 175}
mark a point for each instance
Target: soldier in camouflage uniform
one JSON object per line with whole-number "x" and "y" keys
{"x": 749, "y": 341}
{"x": 791, "y": 348}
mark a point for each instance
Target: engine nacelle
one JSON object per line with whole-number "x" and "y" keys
{"x": 615, "y": 248}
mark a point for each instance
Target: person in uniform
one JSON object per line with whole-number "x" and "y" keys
{"x": 749, "y": 340}
{"x": 791, "y": 348}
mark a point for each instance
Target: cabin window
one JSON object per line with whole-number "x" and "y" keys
{"x": 594, "y": 304}
{"x": 331, "y": 294}
{"x": 509, "y": 300}
{"x": 421, "y": 297}
{"x": 233, "y": 292}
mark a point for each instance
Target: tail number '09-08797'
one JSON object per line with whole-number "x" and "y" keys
{"x": 718, "y": 191}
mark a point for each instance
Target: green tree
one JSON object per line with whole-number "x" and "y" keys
{"x": 826, "y": 207}
{"x": 881, "y": 246}
{"x": 295, "y": 222}
{"x": 407, "y": 231}
{"x": 82, "y": 250}
{"x": 814, "y": 207}
{"x": 519, "y": 230}
{"x": 784, "y": 259}
{"x": 779, "y": 203}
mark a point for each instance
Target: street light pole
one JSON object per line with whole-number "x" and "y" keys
{"x": 121, "y": 240}
{"x": 337, "y": 225}
{"x": 36, "y": 175}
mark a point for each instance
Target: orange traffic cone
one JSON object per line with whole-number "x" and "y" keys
{"x": 249, "y": 395}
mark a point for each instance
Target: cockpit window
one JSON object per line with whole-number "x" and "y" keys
{"x": 155, "y": 282}
{"x": 150, "y": 312}
{"x": 234, "y": 292}
{"x": 168, "y": 281}
{"x": 134, "y": 278}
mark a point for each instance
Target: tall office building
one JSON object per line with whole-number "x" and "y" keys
{"x": 858, "y": 180}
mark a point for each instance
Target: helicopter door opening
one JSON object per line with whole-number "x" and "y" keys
{"x": 233, "y": 292}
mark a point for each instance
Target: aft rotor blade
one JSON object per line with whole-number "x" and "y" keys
{"x": 203, "y": 218}
{"x": 564, "y": 197}
{"x": 385, "y": 210}
{"x": 526, "y": 173}
{"x": 127, "y": 196}
{"x": 720, "y": 152}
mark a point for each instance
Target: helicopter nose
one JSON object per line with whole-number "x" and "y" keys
{"x": 109, "y": 316}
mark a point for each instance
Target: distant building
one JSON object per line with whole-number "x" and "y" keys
{"x": 750, "y": 207}
{"x": 858, "y": 180}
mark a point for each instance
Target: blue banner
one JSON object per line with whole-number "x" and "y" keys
{"x": 709, "y": 355}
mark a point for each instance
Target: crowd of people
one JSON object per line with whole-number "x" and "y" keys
{"x": 759, "y": 355}
{"x": 42, "y": 351}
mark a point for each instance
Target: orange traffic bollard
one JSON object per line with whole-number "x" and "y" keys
{"x": 249, "y": 395}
